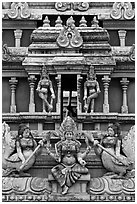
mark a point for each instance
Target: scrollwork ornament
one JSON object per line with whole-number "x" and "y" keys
{"x": 81, "y": 6}
{"x": 69, "y": 36}
{"x": 5, "y": 53}
{"x": 62, "y": 6}
{"x": 122, "y": 10}
{"x": 132, "y": 53}
{"x": 19, "y": 10}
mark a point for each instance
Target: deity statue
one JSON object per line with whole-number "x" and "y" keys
{"x": 17, "y": 150}
{"x": 44, "y": 89}
{"x": 117, "y": 153}
{"x": 67, "y": 153}
{"x": 91, "y": 91}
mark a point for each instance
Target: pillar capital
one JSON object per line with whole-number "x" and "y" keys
{"x": 124, "y": 82}
{"x": 122, "y": 37}
{"x": 18, "y": 34}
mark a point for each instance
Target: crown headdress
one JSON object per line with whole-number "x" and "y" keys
{"x": 44, "y": 71}
{"x": 68, "y": 124}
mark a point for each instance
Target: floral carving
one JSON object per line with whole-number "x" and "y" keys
{"x": 69, "y": 35}
{"x": 19, "y": 10}
{"x": 63, "y": 6}
{"x": 122, "y": 10}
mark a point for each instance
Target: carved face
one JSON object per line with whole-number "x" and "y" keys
{"x": 69, "y": 135}
{"x": 26, "y": 133}
{"x": 110, "y": 132}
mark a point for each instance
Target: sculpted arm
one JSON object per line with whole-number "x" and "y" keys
{"x": 98, "y": 88}
{"x": 51, "y": 89}
{"x": 39, "y": 86}
{"x": 85, "y": 90}
{"x": 19, "y": 152}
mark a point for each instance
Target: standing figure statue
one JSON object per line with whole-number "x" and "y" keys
{"x": 116, "y": 156}
{"x": 71, "y": 161}
{"x": 91, "y": 91}
{"x": 44, "y": 89}
{"x": 16, "y": 150}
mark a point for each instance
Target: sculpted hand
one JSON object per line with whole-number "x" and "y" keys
{"x": 23, "y": 161}
{"x": 53, "y": 96}
{"x": 82, "y": 162}
{"x": 96, "y": 142}
{"x": 85, "y": 97}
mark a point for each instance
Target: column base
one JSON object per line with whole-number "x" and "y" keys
{"x": 13, "y": 109}
{"x": 124, "y": 109}
{"x": 32, "y": 108}
{"x": 105, "y": 108}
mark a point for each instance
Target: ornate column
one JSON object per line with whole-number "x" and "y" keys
{"x": 124, "y": 82}
{"x": 32, "y": 81}
{"x": 18, "y": 35}
{"x": 106, "y": 81}
{"x": 58, "y": 105}
{"x": 122, "y": 37}
{"x": 79, "y": 105}
{"x": 13, "y": 83}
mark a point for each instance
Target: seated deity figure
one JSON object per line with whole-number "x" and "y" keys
{"x": 44, "y": 89}
{"x": 71, "y": 161}
{"x": 113, "y": 158}
{"x": 16, "y": 151}
{"x": 91, "y": 91}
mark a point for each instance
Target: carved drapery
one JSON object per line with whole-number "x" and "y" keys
{"x": 13, "y": 84}
{"x": 124, "y": 82}
{"x": 32, "y": 81}
{"x": 69, "y": 36}
{"x": 58, "y": 105}
{"x": 122, "y": 10}
{"x": 106, "y": 81}
{"x": 63, "y": 6}
{"x": 19, "y": 10}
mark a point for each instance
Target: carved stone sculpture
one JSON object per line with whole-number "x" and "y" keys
{"x": 16, "y": 151}
{"x": 91, "y": 91}
{"x": 111, "y": 156}
{"x": 43, "y": 88}
{"x": 67, "y": 153}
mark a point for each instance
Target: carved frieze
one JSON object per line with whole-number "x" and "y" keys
{"x": 19, "y": 10}
{"x": 69, "y": 36}
{"x": 63, "y": 6}
{"x": 122, "y": 10}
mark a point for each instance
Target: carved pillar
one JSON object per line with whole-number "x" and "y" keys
{"x": 18, "y": 35}
{"x": 106, "y": 81}
{"x": 13, "y": 83}
{"x": 32, "y": 81}
{"x": 58, "y": 105}
{"x": 122, "y": 37}
{"x": 124, "y": 82}
{"x": 79, "y": 105}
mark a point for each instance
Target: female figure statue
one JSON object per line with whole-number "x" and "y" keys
{"x": 17, "y": 150}
{"x": 43, "y": 88}
{"x": 119, "y": 163}
{"x": 71, "y": 161}
{"x": 91, "y": 91}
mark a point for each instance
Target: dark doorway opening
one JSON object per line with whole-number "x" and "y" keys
{"x": 68, "y": 95}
